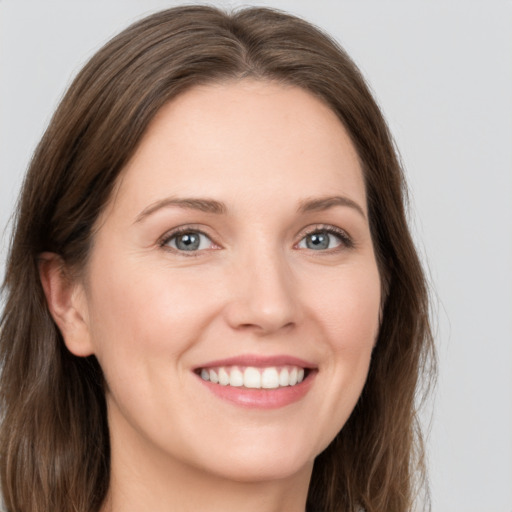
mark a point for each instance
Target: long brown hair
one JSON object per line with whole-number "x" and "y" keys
{"x": 54, "y": 440}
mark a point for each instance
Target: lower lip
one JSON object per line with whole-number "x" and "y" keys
{"x": 261, "y": 398}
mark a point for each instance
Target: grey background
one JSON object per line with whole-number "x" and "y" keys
{"x": 442, "y": 72}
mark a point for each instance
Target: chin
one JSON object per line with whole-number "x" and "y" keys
{"x": 264, "y": 461}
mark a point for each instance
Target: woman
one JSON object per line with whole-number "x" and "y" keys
{"x": 212, "y": 297}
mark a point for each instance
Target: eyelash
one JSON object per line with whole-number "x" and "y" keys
{"x": 184, "y": 230}
{"x": 345, "y": 239}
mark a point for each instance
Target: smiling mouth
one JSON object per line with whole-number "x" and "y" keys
{"x": 251, "y": 377}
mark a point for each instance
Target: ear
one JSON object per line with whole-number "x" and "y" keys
{"x": 67, "y": 303}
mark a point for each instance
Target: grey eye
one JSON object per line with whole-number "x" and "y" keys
{"x": 317, "y": 241}
{"x": 190, "y": 241}
{"x": 187, "y": 242}
{"x": 320, "y": 240}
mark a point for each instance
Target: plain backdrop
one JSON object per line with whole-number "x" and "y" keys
{"x": 442, "y": 73}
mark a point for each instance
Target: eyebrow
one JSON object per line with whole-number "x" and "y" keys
{"x": 219, "y": 208}
{"x": 203, "y": 205}
{"x": 324, "y": 203}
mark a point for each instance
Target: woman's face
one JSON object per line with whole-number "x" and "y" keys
{"x": 237, "y": 249}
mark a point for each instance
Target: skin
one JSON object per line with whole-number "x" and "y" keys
{"x": 152, "y": 314}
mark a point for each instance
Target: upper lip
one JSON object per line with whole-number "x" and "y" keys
{"x": 259, "y": 361}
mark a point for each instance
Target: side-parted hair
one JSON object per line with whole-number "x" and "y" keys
{"x": 54, "y": 438}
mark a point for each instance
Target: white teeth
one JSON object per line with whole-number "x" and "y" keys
{"x": 252, "y": 378}
{"x": 223, "y": 377}
{"x": 269, "y": 378}
{"x": 284, "y": 377}
{"x": 256, "y": 378}
{"x": 236, "y": 378}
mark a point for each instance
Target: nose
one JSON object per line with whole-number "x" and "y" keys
{"x": 263, "y": 294}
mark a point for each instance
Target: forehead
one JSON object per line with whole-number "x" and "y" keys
{"x": 243, "y": 138}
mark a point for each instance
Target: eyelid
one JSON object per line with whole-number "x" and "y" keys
{"x": 346, "y": 240}
{"x": 179, "y": 230}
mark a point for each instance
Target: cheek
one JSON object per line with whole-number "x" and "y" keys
{"x": 348, "y": 304}
{"x": 154, "y": 313}
{"x": 348, "y": 312}
{"x": 140, "y": 329}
